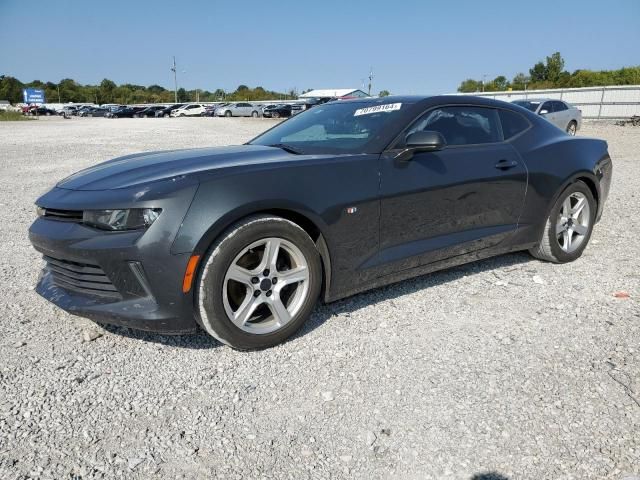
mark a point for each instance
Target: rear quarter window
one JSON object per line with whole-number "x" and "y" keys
{"x": 512, "y": 123}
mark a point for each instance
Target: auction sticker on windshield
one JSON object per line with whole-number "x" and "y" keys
{"x": 389, "y": 107}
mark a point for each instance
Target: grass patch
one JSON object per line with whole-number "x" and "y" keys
{"x": 8, "y": 116}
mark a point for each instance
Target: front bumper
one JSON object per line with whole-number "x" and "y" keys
{"x": 126, "y": 278}
{"x": 111, "y": 278}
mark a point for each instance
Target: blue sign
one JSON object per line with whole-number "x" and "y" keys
{"x": 33, "y": 95}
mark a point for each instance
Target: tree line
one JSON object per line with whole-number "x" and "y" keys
{"x": 551, "y": 74}
{"x": 107, "y": 91}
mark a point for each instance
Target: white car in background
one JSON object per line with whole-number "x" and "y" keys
{"x": 239, "y": 109}
{"x": 189, "y": 110}
{"x": 564, "y": 116}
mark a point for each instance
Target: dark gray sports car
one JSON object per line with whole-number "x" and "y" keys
{"x": 344, "y": 197}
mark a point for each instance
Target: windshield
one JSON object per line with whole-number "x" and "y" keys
{"x": 533, "y": 106}
{"x": 340, "y": 127}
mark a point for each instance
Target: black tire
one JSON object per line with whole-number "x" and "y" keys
{"x": 254, "y": 114}
{"x": 209, "y": 288}
{"x": 275, "y": 115}
{"x": 549, "y": 248}
{"x": 572, "y": 128}
{"x": 228, "y": 113}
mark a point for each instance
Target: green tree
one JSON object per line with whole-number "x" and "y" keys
{"x": 106, "y": 91}
{"x": 520, "y": 81}
{"x": 384, "y": 93}
{"x": 500, "y": 83}
{"x": 469, "y": 86}
{"x": 538, "y": 72}
{"x": 11, "y": 89}
{"x": 554, "y": 67}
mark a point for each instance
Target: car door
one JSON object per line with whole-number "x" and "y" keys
{"x": 562, "y": 114}
{"x": 466, "y": 197}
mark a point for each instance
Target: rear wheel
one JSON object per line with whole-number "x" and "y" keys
{"x": 569, "y": 226}
{"x": 259, "y": 283}
{"x": 254, "y": 114}
{"x": 227, "y": 113}
{"x": 572, "y": 128}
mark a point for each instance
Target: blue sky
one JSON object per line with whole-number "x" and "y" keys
{"x": 413, "y": 46}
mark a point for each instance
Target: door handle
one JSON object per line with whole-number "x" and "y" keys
{"x": 506, "y": 164}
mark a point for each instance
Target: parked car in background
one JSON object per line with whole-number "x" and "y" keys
{"x": 112, "y": 106}
{"x": 93, "y": 112}
{"x": 564, "y": 116}
{"x": 123, "y": 112}
{"x": 209, "y": 111}
{"x": 69, "y": 110}
{"x": 166, "y": 111}
{"x": 189, "y": 110}
{"x": 41, "y": 111}
{"x": 81, "y": 111}
{"x": 277, "y": 111}
{"x": 149, "y": 112}
{"x": 240, "y": 109}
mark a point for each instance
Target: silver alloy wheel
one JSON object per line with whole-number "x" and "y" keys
{"x": 571, "y": 129}
{"x": 572, "y": 225}
{"x": 266, "y": 285}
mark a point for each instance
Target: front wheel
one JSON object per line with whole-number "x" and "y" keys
{"x": 254, "y": 114}
{"x": 258, "y": 283}
{"x": 227, "y": 113}
{"x": 569, "y": 226}
{"x": 572, "y": 128}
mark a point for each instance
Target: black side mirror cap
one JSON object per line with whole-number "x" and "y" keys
{"x": 425, "y": 141}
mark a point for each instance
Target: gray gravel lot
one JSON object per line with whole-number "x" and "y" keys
{"x": 508, "y": 366}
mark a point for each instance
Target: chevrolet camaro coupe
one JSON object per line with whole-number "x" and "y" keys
{"x": 242, "y": 241}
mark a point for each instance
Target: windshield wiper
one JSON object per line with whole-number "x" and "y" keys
{"x": 286, "y": 148}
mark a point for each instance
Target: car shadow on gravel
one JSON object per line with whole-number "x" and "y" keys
{"x": 196, "y": 341}
{"x": 489, "y": 476}
{"x": 324, "y": 312}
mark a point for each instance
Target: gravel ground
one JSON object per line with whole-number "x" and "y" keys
{"x": 507, "y": 368}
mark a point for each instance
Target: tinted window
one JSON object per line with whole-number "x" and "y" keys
{"x": 548, "y": 106}
{"x": 533, "y": 106}
{"x": 461, "y": 125}
{"x": 559, "y": 106}
{"x": 512, "y": 123}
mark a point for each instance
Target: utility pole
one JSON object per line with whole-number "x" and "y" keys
{"x": 370, "y": 79}
{"x": 484, "y": 78}
{"x": 58, "y": 87}
{"x": 175, "y": 79}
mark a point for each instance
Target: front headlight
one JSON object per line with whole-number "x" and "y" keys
{"x": 118, "y": 220}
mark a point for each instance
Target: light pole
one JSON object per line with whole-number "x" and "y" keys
{"x": 370, "y": 79}
{"x": 175, "y": 79}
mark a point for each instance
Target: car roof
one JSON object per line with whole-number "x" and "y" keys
{"x": 540, "y": 99}
{"x": 430, "y": 100}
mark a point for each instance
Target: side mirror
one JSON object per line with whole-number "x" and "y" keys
{"x": 426, "y": 141}
{"x": 543, "y": 112}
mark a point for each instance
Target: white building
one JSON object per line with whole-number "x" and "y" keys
{"x": 335, "y": 93}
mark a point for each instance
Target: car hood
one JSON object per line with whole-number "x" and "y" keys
{"x": 140, "y": 168}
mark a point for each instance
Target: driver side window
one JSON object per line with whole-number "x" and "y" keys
{"x": 462, "y": 125}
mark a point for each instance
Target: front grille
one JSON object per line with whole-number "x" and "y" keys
{"x": 65, "y": 215}
{"x": 78, "y": 276}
